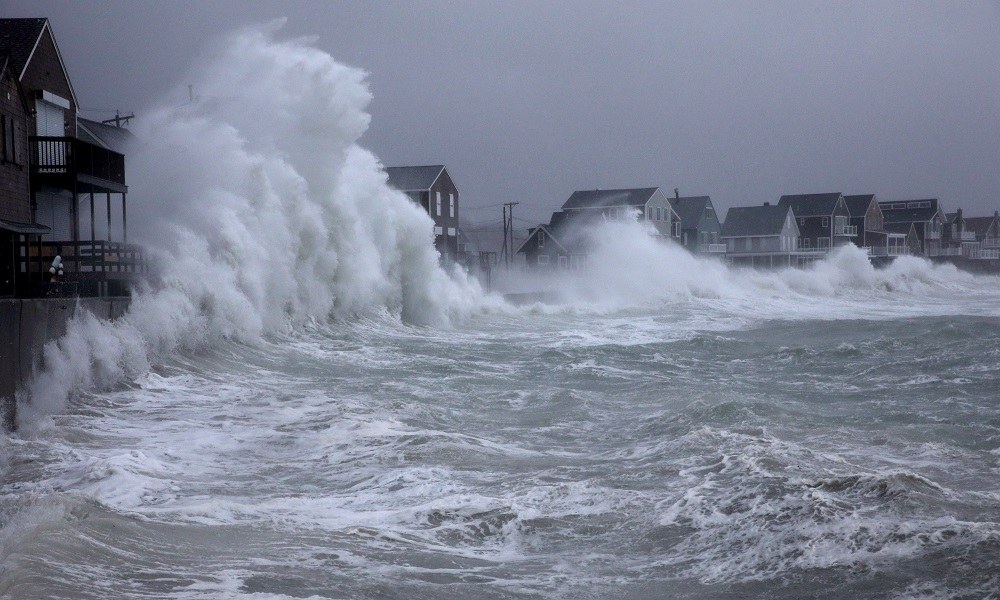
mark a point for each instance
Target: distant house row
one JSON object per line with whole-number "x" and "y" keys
{"x": 804, "y": 227}
{"x": 796, "y": 231}
{"x": 563, "y": 242}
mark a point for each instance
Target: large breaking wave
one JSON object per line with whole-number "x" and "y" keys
{"x": 262, "y": 212}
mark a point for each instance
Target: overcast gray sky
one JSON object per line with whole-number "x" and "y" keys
{"x": 528, "y": 101}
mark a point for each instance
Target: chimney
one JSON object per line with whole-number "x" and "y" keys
{"x": 996, "y": 214}
{"x": 767, "y": 204}
{"x": 677, "y": 194}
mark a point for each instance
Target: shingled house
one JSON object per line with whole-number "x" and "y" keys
{"x": 925, "y": 216}
{"x": 76, "y": 194}
{"x": 987, "y": 232}
{"x": 648, "y": 203}
{"x": 700, "y": 226}
{"x": 823, "y": 220}
{"x": 561, "y": 243}
{"x": 433, "y": 189}
{"x": 762, "y": 236}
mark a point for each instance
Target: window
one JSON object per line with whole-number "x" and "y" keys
{"x": 650, "y": 212}
{"x": 802, "y": 220}
{"x": 451, "y": 205}
{"x": 438, "y": 231}
{"x": 541, "y": 239}
{"x": 438, "y": 213}
{"x": 452, "y": 232}
{"x": 826, "y": 221}
{"x": 659, "y": 213}
{"x": 563, "y": 262}
{"x": 677, "y": 229}
{"x": 543, "y": 259}
{"x": 9, "y": 133}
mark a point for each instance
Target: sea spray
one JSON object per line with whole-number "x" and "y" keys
{"x": 261, "y": 213}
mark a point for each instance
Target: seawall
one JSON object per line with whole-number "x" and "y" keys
{"x": 26, "y": 325}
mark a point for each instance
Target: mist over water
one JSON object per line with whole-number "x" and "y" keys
{"x": 303, "y": 403}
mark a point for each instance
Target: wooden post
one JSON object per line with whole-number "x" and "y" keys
{"x": 76, "y": 229}
{"x": 109, "y": 216}
{"x": 124, "y": 221}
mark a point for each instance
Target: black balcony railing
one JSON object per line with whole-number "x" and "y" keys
{"x": 73, "y": 157}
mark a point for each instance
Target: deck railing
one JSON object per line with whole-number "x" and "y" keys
{"x": 847, "y": 230}
{"x": 944, "y": 252}
{"x": 71, "y": 156}
{"x": 933, "y": 235}
{"x": 716, "y": 248}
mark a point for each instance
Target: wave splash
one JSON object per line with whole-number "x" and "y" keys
{"x": 261, "y": 212}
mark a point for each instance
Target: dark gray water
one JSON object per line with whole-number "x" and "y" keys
{"x": 567, "y": 454}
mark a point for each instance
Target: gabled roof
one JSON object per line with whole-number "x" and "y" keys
{"x": 909, "y": 215}
{"x": 107, "y": 136}
{"x": 413, "y": 179}
{"x": 605, "y": 198}
{"x": 858, "y": 205}
{"x": 20, "y": 37}
{"x": 744, "y": 221}
{"x": 5, "y": 67}
{"x": 690, "y": 209}
{"x": 980, "y": 225}
{"x": 811, "y": 205}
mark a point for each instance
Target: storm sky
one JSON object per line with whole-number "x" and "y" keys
{"x": 528, "y": 101}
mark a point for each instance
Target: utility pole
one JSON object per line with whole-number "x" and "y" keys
{"x": 508, "y": 232}
{"x": 119, "y": 120}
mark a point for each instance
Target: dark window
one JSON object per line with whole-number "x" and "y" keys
{"x": 826, "y": 221}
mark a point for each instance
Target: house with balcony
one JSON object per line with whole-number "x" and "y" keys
{"x": 76, "y": 192}
{"x": 700, "y": 226}
{"x": 432, "y": 188}
{"x": 927, "y": 218}
{"x": 763, "y": 236}
{"x": 987, "y": 232}
{"x": 823, "y": 220}
{"x": 648, "y": 204}
{"x": 867, "y": 218}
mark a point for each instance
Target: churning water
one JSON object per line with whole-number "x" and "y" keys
{"x": 306, "y": 405}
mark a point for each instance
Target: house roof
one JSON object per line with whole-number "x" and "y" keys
{"x": 17, "y": 40}
{"x": 858, "y": 205}
{"x": 413, "y": 179}
{"x": 690, "y": 209}
{"x": 107, "y": 136}
{"x": 604, "y": 198}
{"x": 810, "y": 205}
{"x": 909, "y": 215}
{"x": 743, "y": 221}
{"x": 980, "y": 225}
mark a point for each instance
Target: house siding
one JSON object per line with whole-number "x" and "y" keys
{"x": 45, "y": 72}
{"x": 15, "y": 194}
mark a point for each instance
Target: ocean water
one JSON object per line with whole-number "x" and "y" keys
{"x": 303, "y": 404}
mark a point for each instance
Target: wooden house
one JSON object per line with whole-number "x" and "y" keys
{"x": 764, "y": 236}
{"x": 648, "y": 204}
{"x": 866, "y": 217}
{"x": 433, "y": 189}
{"x": 987, "y": 232}
{"x": 15, "y": 190}
{"x": 560, "y": 244}
{"x": 823, "y": 220}
{"x": 71, "y": 180}
{"x": 925, "y": 216}
{"x": 700, "y": 226}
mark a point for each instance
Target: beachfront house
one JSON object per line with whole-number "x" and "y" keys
{"x": 76, "y": 192}
{"x": 648, "y": 204}
{"x": 433, "y": 189}
{"x": 559, "y": 244}
{"x": 700, "y": 226}
{"x": 925, "y": 216}
{"x": 823, "y": 220}
{"x": 762, "y": 236}
{"x": 987, "y": 232}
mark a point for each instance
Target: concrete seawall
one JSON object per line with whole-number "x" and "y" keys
{"x": 25, "y": 327}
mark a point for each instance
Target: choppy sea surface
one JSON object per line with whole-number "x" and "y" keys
{"x": 303, "y": 404}
{"x": 683, "y": 452}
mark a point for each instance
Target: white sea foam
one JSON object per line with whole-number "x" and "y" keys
{"x": 263, "y": 213}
